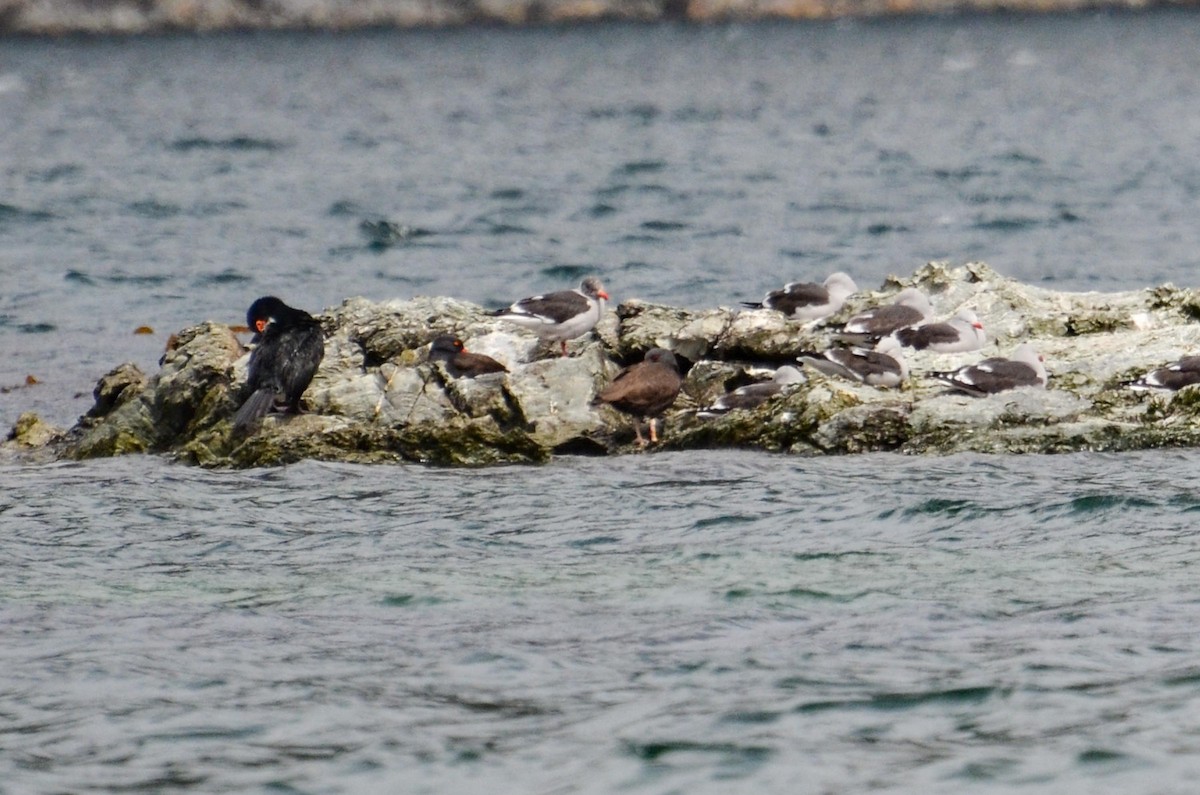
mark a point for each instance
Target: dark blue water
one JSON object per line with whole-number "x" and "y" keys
{"x": 707, "y": 622}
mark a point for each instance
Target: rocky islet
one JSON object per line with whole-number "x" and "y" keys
{"x": 377, "y": 399}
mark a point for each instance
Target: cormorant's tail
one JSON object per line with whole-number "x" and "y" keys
{"x": 254, "y": 409}
{"x": 753, "y": 304}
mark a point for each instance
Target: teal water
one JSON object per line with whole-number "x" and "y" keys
{"x": 665, "y": 623}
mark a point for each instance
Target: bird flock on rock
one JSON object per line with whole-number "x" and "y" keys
{"x": 288, "y": 347}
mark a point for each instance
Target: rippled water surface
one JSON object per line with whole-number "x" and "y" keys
{"x": 667, "y": 623}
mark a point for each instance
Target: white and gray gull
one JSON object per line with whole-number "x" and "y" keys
{"x": 562, "y": 315}
{"x": 752, "y": 395}
{"x": 808, "y": 301}
{"x": 959, "y": 334}
{"x": 1025, "y": 368}
{"x": 909, "y": 308}
{"x": 884, "y": 366}
{"x": 1170, "y": 377}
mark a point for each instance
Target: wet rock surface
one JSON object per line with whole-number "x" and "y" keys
{"x": 377, "y": 399}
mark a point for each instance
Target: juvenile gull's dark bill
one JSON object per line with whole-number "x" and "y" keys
{"x": 1170, "y": 377}
{"x": 562, "y": 315}
{"x": 883, "y": 366}
{"x": 458, "y": 361}
{"x": 959, "y": 334}
{"x": 645, "y": 390}
{"x": 290, "y": 347}
{"x": 752, "y": 395}
{"x": 1025, "y": 368}
{"x": 808, "y": 301}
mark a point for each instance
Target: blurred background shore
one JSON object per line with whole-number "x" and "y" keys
{"x": 63, "y": 17}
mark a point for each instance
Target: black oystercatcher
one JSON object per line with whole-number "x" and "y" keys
{"x": 645, "y": 389}
{"x": 290, "y": 347}
{"x": 450, "y": 351}
{"x": 809, "y": 301}
{"x": 561, "y": 316}
{"x": 1025, "y": 368}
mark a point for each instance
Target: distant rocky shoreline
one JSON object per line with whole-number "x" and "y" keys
{"x": 123, "y": 17}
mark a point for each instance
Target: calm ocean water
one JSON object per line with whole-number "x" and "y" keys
{"x": 664, "y": 623}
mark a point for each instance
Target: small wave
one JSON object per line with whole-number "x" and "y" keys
{"x": 227, "y": 276}
{"x": 507, "y": 194}
{"x": 237, "y": 143}
{"x": 642, "y": 112}
{"x": 593, "y": 541}
{"x": 566, "y": 273}
{"x": 754, "y": 717}
{"x": 1097, "y": 503}
{"x": 1007, "y": 224}
{"x": 79, "y": 277}
{"x": 347, "y": 207}
{"x": 601, "y": 210}
{"x": 410, "y": 600}
{"x": 693, "y": 114}
{"x": 899, "y": 701}
{"x": 722, "y": 231}
{"x": 641, "y": 167}
{"x": 130, "y": 278}
{"x": 36, "y": 328}
{"x": 663, "y": 226}
{"x": 960, "y": 174}
{"x": 939, "y": 506}
{"x": 151, "y": 208}
{"x": 56, "y": 173}
{"x": 724, "y": 520}
{"x": 1017, "y": 156}
{"x": 502, "y": 228}
{"x": 211, "y": 209}
{"x": 629, "y": 187}
{"x": 654, "y": 751}
{"x": 10, "y": 213}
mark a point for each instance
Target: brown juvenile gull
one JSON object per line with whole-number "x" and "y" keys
{"x": 645, "y": 390}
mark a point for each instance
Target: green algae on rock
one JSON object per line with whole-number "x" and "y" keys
{"x": 376, "y": 399}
